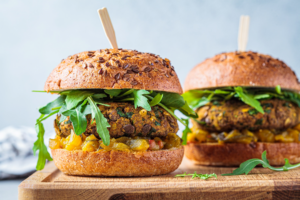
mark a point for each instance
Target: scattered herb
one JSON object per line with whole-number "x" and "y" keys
{"x": 195, "y": 175}
{"x": 268, "y": 111}
{"x": 252, "y": 112}
{"x": 157, "y": 123}
{"x": 120, "y": 112}
{"x": 129, "y": 114}
{"x": 248, "y": 165}
{"x": 286, "y": 104}
{"x": 258, "y": 122}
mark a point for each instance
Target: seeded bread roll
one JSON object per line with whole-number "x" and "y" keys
{"x": 117, "y": 163}
{"x": 114, "y": 69}
{"x": 248, "y": 69}
{"x": 233, "y": 154}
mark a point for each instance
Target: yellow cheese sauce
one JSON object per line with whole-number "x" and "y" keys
{"x": 91, "y": 143}
{"x": 245, "y": 136}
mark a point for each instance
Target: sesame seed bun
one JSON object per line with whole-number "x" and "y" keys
{"x": 248, "y": 69}
{"x": 233, "y": 154}
{"x": 114, "y": 69}
{"x": 117, "y": 163}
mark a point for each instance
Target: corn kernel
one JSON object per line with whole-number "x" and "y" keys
{"x": 90, "y": 146}
{"x": 143, "y": 112}
{"x": 74, "y": 142}
{"x": 139, "y": 145}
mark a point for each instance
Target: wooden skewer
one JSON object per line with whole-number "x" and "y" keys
{"x": 108, "y": 27}
{"x": 243, "y": 32}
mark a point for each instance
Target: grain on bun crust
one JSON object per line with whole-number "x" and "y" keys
{"x": 117, "y": 163}
{"x": 233, "y": 154}
{"x": 114, "y": 69}
{"x": 247, "y": 69}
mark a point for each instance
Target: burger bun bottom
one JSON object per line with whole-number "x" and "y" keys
{"x": 117, "y": 163}
{"x": 233, "y": 154}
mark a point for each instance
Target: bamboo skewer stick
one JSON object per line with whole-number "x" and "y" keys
{"x": 108, "y": 27}
{"x": 243, "y": 32}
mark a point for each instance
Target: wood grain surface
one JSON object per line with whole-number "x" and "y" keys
{"x": 261, "y": 183}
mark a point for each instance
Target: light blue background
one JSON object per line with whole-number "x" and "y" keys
{"x": 36, "y": 35}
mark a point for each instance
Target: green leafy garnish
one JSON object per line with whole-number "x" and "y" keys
{"x": 195, "y": 175}
{"x": 140, "y": 100}
{"x": 248, "y": 165}
{"x": 101, "y": 122}
{"x": 185, "y": 131}
{"x": 156, "y": 99}
{"x": 77, "y": 104}
{"x": 248, "y": 99}
{"x": 56, "y": 103}
{"x": 40, "y": 145}
{"x": 114, "y": 92}
{"x": 250, "y": 96}
{"x": 76, "y": 96}
{"x": 78, "y": 120}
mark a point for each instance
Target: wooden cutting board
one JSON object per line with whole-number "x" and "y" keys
{"x": 50, "y": 184}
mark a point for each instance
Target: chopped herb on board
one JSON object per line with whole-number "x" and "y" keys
{"x": 195, "y": 175}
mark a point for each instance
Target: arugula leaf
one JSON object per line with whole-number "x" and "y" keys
{"x": 249, "y": 99}
{"x": 62, "y": 118}
{"x": 87, "y": 110}
{"x": 185, "y": 132}
{"x": 113, "y": 92}
{"x": 76, "y": 96}
{"x": 171, "y": 99}
{"x": 56, "y": 103}
{"x": 78, "y": 120}
{"x": 140, "y": 100}
{"x": 188, "y": 111}
{"x": 202, "y": 102}
{"x": 40, "y": 145}
{"x": 262, "y": 96}
{"x": 195, "y": 175}
{"x": 42, "y": 119}
{"x": 248, "y": 165}
{"x": 101, "y": 122}
{"x": 278, "y": 89}
{"x": 99, "y": 96}
{"x": 128, "y": 92}
{"x": 156, "y": 99}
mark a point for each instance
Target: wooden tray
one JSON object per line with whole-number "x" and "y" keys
{"x": 262, "y": 183}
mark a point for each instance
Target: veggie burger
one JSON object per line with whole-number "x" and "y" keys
{"x": 246, "y": 103}
{"x": 114, "y": 115}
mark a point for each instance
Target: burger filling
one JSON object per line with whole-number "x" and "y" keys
{"x": 240, "y": 115}
{"x": 130, "y": 130}
{"x": 114, "y": 119}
